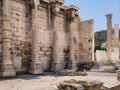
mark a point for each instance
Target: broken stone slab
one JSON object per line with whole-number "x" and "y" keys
{"x": 116, "y": 87}
{"x": 91, "y": 84}
{"x": 71, "y": 72}
{"x": 69, "y": 86}
{"x": 85, "y": 85}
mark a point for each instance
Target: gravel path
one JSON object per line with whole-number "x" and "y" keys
{"x": 50, "y": 81}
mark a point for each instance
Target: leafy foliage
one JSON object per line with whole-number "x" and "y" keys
{"x": 98, "y": 42}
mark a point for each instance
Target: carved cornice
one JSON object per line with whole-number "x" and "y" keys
{"x": 72, "y": 12}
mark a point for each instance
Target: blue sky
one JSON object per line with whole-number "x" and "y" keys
{"x": 97, "y": 9}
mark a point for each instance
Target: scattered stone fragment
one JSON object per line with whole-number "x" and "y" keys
{"x": 81, "y": 85}
{"x": 70, "y": 86}
{"x": 117, "y": 87}
{"x": 104, "y": 66}
{"x": 71, "y": 72}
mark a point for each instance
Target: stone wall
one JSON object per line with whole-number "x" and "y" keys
{"x": 0, "y": 31}
{"x": 87, "y": 40}
{"x": 20, "y": 34}
{"x": 45, "y": 42}
{"x": 101, "y": 55}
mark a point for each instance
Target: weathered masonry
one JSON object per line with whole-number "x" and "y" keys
{"x": 42, "y": 35}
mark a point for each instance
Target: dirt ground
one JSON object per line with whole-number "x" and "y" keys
{"x": 50, "y": 81}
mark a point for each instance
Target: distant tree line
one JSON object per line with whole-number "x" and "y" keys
{"x": 98, "y": 43}
{"x": 100, "y": 38}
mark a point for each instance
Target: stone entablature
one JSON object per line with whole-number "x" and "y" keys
{"x": 39, "y": 35}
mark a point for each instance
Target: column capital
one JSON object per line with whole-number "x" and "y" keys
{"x": 109, "y": 16}
{"x": 72, "y": 12}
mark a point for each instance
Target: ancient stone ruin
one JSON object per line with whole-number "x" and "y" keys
{"x": 108, "y": 61}
{"x": 38, "y": 36}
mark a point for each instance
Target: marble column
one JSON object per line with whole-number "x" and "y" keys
{"x": 7, "y": 68}
{"x": 35, "y": 66}
{"x": 109, "y": 36}
{"x": 72, "y": 60}
{"x": 56, "y": 61}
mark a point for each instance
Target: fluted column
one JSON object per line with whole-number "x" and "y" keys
{"x": 7, "y": 68}
{"x": 35, "y": 66}
{"x": 109, "y": 36}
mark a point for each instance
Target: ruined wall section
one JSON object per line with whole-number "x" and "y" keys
{"x": 20, "y": 34}
{"x": 87, "y": 40}
{"x": 45, "y": 42}
{"x": 0, "y": 31}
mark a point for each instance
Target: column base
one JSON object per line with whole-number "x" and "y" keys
{"x": 7, "y": 70}
{"x": 72, "y": 66}
{"x": 35, "y": 68}
{"x": 56, "y": 67}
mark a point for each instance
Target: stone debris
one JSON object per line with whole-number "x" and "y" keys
{"x": 71, "y": 72}
{"x": 69, "y": 86}
{"x": 80, "y": 85}
{"x": 105, "y": 66}
{"x": 117, "y": 87}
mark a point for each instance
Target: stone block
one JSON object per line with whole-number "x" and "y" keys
{"x": 80, "y": 85}
{"x": 118, "y": 75}
{"x": 116, "y": 87}
{"x": 91, "y": 84}
{"x": 70, "y": 86}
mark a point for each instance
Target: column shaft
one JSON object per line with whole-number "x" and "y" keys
{"x": 109, "y": 36}
{"x": 72, "y": 62}
{"x": 55, "y": 63}
{"x": 35, "y": 64}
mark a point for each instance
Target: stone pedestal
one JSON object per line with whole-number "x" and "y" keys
{"x": 6, "y": 67}
{"x": 35, "y": 68}
{"x": 35, "y": 65}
